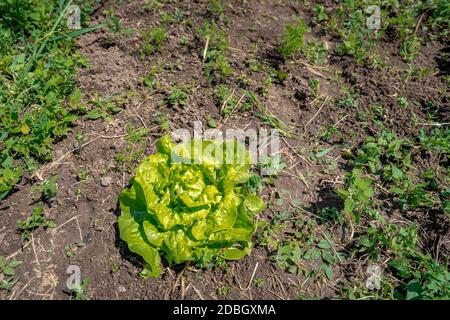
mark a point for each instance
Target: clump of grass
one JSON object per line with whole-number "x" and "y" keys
{"x": 293, "y": 42}
{"x": 216, "y": 7}
{"x": 152, "y": 40}
{"x": 293, "y": 38}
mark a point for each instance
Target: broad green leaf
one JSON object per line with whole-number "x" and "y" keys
{"x": 178, "y": 247}
{"x": 164, "y": 145}
{"x": 328, "y": 271}
{"x": 95, "y": 114}
{"x": 130, "y": 233}
{"x": 8, "y": 271}
{"x": 312, "y": 254}
{"x": 323, "y": 152}
{"x": 328, "y": 257}
{"x": 349, "y": 205}
{"x": 254, "y": 204}
{"x": 413, "y": 290}
{"x": 324, "y": 244}
{"x": 234, "y": 253}
{"x": 14, "y": 264}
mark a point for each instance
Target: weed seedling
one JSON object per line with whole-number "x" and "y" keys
{"x": 357, "y": 194}
{"x": 211, "y": 122}
{"x": 7, "y": 273}
{"x": 113, "y": 267}
{"x": 49, "y": 188}
{"x": 177, "y": 97}
{"x": 402, "y": 102}
{"x": 320, "y": 13}
{"x": 80, "y": 293}
{"x": 315, "y": 83}
{"x": 152, "y": 41}
{"x": 33, "y": 222}
{"x": 82, "y": 175}
{"x": 150, "y": 80}
{"x": 315, "y": 51}
{"x": 161, "y": 120}
{"x": 216, "y": 66}
{"x": 223, "y": 291}
{"x": 259, "y": 282}
{"x": 293, "y": 38}
{"x": 216, "y": 8}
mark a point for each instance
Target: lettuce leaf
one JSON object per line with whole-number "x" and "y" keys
{"x": 188, "y": 202}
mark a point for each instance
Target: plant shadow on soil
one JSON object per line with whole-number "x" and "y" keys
{"x": 327, "y": 199}
{"x": 443, "y": 62}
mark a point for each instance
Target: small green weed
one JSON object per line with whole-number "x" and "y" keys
{"x": 216, "y": 66}
{"x": 216, "y": 7}
{"x": 80, "y": 293}
{"x": 320, "y": 13}
{"x": 151, "y": 78}
{"x": 357, "y": 194}
{"x": 293, "y": 38}
{"x": 33, "y": 222}
{"x": 7, "y": 272}
{"x": 161, "y": 120}
{"x": 315, "y": 51}
{"x": 152, "y": 40}
{"x": 178, "y": 97}
{"x": 223, "y": 291}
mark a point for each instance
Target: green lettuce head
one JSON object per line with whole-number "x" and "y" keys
{"x": 188, "y": 202}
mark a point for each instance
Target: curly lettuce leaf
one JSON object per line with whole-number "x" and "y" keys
{"x": 187, "y": 202}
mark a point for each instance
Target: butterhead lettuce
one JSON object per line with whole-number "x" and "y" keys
{"x": 188, "y": 202}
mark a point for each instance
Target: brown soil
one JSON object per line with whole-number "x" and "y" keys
{"x": 91, "y": 217}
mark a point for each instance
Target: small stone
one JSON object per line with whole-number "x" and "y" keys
{"x": 105, "y": 181}
{"x": 122, "y": 289}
